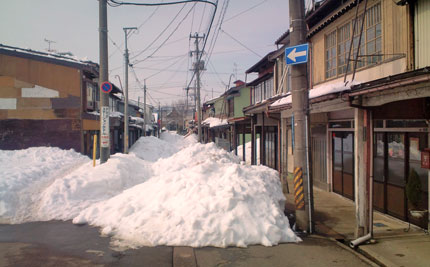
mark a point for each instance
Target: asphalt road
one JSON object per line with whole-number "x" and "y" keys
{"x": 58, "y": 243}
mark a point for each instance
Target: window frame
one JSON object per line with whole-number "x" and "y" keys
{"x": 374, "y": 15}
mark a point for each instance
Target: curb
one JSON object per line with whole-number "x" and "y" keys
{"x": 369, "y": 260}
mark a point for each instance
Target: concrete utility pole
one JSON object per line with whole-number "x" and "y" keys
{"x": 126, "y": 63}
{"x": 198, "y": 66}
{"x": 186, "y": 106}
{"x": 159, "y": 119}
{"x": 300, "y": 112}
{"x": 145, "y": 122}
{"x": 104, "y": 77}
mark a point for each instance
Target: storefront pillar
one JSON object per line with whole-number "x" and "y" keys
{"x": 361, "y": 194}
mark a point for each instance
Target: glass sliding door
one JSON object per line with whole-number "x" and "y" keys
{"x": 343, "y": 163}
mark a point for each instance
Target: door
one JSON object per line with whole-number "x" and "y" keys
{"x": 417, "y": 143}
{"x": 395, "y": 155}
{"x": 343, "y": 163}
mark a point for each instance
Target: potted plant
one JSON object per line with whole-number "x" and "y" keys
{"x": 414, "y": 195}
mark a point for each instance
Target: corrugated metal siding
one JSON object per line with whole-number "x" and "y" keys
{"x": 422, "y": 36}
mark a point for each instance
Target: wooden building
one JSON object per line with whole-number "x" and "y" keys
{"x": 49, "y": 100}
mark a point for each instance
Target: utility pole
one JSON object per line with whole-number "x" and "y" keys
{"x": 104, "y": 77}
{"x": 159, "y": 119}
{"x": 126, "y": 63}
{"x": 186, "y": 106}
{"x": 300, "y": 112}
{"x": 145, "y": 122}
{"x": 198, "y": 66}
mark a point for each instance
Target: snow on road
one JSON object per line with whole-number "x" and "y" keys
{"x": 168, "y": 191}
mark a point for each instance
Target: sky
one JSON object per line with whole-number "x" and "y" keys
{"x": 245, "y": 31}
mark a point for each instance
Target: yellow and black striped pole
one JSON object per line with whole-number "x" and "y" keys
{"x": 298, "y": 189}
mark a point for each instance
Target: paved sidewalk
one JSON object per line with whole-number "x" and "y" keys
{"x": 335, "y": 218}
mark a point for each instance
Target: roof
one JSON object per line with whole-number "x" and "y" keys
{"x": 260, "y": 79}
{"x": 326, "y": 13}
{"x": 49, "y": 58}
{"x": 262, "y": 64}
{"x": 383, "y": 82}
{"x": 284, "y": 38}
{"x": 262, "y": 106}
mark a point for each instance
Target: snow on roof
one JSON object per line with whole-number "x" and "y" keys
{"x": 138, "y": 119}
{"x": 113, "y": 114}
{"x": 51, "y": 55}
{"x": 318, "y": 91}
{"x": 214, "y": 122}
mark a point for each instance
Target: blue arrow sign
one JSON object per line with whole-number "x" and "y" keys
{"x": 296, "y": 54}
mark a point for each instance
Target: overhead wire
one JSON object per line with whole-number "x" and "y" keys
{"x": 243, "y": 12}
{"x": 239, "y": 42}
{"x": 160, "y": 34}
{"x": 163, "y": 43}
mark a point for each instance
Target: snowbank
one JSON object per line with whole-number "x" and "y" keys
{"x": 24, "y": 172}
{"x": 201, "y": 197}
{"x": 172, "y": 191}
{"x": 68, "y": 195}
{"x": 248, "y": 151}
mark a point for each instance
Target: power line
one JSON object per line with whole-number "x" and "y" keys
{"x": 168, "y": 37}
{"x": 237, "y": 15}
{"x": 169, "y": 43}
{"x": 239, "y": 42}
{"x": 119, "y": 3}
{"x": 161, "y": 33}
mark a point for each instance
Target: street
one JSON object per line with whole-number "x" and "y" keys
{"x": 58, "y": 243}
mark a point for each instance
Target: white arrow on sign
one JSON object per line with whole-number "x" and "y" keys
{"x": 293, "y": 54}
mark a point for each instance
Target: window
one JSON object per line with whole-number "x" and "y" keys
{"x": 337, "y": 43}
{"x": 92, "y": 96}
{"x": 373, "y": 34}
{"x": 355, "y": 41}
{"x": 268, "y": 88}
{"x": 330, "y": 58}
{"x": 344, "y": 40}
{"x": 231, "y": 107}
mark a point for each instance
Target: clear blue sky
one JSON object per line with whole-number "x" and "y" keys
{"x": 73, "y": 25}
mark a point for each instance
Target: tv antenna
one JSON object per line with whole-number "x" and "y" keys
{"x": 49, "y": 44}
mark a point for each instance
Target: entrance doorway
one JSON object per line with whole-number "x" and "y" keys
{"x": 395, "y": 155}
{"x": 343, "y": 163}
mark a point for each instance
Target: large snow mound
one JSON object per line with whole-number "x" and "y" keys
{"x": 24, "y": 172}
{"x": 68, "y": 195}
{"x": 202, "y": 196}
{"x": 172, "y": 191}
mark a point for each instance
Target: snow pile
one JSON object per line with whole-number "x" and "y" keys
{"x": 214, "y": 122}
{"x": 248, "y": 150}
{"x": 24, "y": 172}
{"x": 173, "y": 191}
{"x": 318, "y": 91}
{"x": 68, "y": 195}
{"x": 151, "y": 149}
{"x": 201, "y": 197}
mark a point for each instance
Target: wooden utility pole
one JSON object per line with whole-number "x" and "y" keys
{"x": 300, "y": 112}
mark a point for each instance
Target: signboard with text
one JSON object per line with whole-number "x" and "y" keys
{"x": 104, "y": 127}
